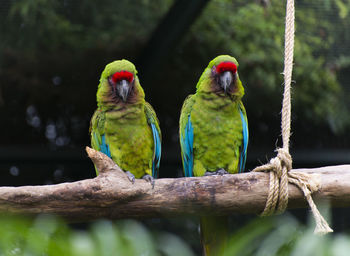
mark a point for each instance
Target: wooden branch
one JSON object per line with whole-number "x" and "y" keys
{"x": 112, "y": 195}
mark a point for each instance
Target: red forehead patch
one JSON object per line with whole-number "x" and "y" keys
{"x": 226, "y": 66}
{"x": 122, "y": 75}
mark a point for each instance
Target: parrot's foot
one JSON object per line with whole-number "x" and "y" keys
{"x": 218, "y": 172}
{"x": 221, "y": 172}
{"x": 131, "y": 176}
{"x": 149, "y": 178}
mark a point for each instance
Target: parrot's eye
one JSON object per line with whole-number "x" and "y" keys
{"x": 226, "y": 66}
{"x": 122, "y": 75}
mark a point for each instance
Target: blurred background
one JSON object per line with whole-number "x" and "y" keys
{"x": 53, "y": 52}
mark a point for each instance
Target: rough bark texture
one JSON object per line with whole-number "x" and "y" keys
{"x": 112, "y": 195}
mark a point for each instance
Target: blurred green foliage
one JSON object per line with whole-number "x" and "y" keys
{"x": 48, "y": 235}
{"x": 285, "y": 236}
{"x": 268, "y": 236}
{"x": 50, "y": 26}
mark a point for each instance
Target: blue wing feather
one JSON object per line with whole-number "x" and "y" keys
{"x": 187, "y": 148}
{"x": 157, "y": 151}
{"x": 245, "y": 133}
{"x": 157, "y": 138}
{"x": 104, "y": 147}
{"x": 98, "y": 138}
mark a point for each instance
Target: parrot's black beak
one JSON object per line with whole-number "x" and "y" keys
{"x": 123, "y": 88}
{"x": 226, "y": 79}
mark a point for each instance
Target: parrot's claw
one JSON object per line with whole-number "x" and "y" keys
{"x": 149, "y": 178}
{"x": 131, "y": 176}
{"x": 221, "y": 172}
{"x": 218, "y": 172}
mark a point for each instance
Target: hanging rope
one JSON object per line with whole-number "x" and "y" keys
{"x": 280, "y": 166}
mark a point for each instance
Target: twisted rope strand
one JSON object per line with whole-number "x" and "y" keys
{"x": 279, "y": 167}
{"x": 288, "y": 68}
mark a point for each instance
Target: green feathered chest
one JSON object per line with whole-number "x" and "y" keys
{"x": 130, "y": 139}
{"x": 217, "y": 128}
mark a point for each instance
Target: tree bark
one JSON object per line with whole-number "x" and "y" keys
{"x": 112, "y": 195}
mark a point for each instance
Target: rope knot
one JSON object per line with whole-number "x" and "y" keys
{"x": 275, "y": 165}
{"x": 285, "y": 158}
{"x": 278, "y": 167}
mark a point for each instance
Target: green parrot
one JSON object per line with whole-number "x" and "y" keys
{"x": 214, "y": 136}
{"x": 124, "y": 126}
